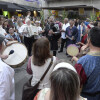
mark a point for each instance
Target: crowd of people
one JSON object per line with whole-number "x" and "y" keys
{"x": 62, "y": 81}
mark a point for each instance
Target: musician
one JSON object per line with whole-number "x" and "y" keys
{"x": 84, "y": 50}
{"x": 63, "y": 37}
{"x": 46, "y": 28}
{"x": 26, "y": 30}
{"x": 28, "y": 15}
{"x": 53, "y": 37}
{"x": 39, "y": 34}
{"x": 6, "y": 78}
{"x": 71, "y": 33}
{"x": 88, "y": 67}
{"x": 13, "y": 35}
{"x": 81, "y": 31}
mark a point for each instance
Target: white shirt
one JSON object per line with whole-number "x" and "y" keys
{"x": 64, "y": 28}
{"x": 28, "y": 16}
{"x": 38, "y": 71}
{"x": 18, "y": 28}
{"x": 7, "y": 91}
{"x": 39, "y": 29}
{"x": 27, "y": 28}
{"x": 2, "y": 31}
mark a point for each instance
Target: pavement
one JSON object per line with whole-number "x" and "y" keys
{"x": 21, "y": 76}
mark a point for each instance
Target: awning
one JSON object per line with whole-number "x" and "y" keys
{"x": 71, "y": 7}
{"x": 10, "y": 6}
{"x": 16, "y": 7}
{"x": 28, "y": 8}
{"x": 3, "y": 5}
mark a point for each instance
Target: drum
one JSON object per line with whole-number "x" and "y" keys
{"x": 72, "y": 50}
{"x": 19, "y": 57}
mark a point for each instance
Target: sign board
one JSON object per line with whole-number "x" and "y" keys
{"x": 81, "y": 11}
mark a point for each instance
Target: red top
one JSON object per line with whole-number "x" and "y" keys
{"x": 84, "y": 38}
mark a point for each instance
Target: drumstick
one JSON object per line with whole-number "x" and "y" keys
{"x": 11, "y": 52}
{"x": 69, "y": 37}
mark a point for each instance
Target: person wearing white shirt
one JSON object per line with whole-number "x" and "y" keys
{"x": 39, "y": 29}
{"x": 2, "y": 31}
{"x": 28, "y": 15}
{"x": 13, "y": 19}
{"x": 27, "y": 31}
{"x": 7, "y": 90}
{"x": 63, "y": 36}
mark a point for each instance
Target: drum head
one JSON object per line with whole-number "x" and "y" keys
{"x": 72, "y": 50}
{"x": 12, "y": 42}
{"x": 18, "y": 57}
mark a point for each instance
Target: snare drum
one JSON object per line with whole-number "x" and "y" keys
{"x": 72, "y": 50}
{"x": 19, "y": 57}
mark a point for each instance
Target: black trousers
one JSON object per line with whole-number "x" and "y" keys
{"x": 54, "y": 53}
{"x": 28, "y": 41}
{"x": 63, "y": 41}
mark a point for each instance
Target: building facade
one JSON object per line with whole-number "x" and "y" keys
{"x": 18, "y": 7}
{"x": 82, "y": 7}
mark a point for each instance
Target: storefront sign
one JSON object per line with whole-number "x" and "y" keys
{"x": 81, "y": 11}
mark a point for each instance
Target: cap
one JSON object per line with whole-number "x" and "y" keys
{"x": 1, "y": 38}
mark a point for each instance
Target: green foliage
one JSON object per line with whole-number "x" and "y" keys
{"x": 42, "y": 17}
{"x": 93, "y": 17}
{"x": 65, "y": 14}
{"x": 50, "y": 14}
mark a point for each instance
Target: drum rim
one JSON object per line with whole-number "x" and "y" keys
{"x": 74, "y": 46}
{"x": 20, "y": 64}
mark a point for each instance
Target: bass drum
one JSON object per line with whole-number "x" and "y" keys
{"x": 19, "y": 57}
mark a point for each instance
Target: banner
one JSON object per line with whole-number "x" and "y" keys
{"x": 81, "y": 11}
{"x": 98, "y": 15}
{"x": 54, "y": 12}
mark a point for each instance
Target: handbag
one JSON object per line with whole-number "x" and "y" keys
{"x": 29, "y": 90}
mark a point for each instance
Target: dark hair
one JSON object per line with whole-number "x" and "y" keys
{"x": 94, "y": 36}
{"x": 65, "y": 85}
{"x": 96, "y": 24}
{"x": 10, "y": 23}
{"x": 41, "y": 51}
{"x": 28, "y": 12}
